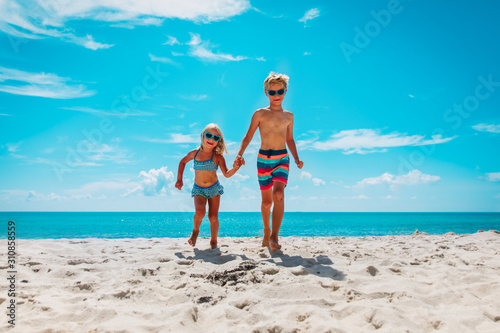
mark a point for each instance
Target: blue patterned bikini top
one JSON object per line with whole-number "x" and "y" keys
{"x": 207, "y": 165}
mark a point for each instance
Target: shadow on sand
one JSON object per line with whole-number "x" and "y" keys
{"x": 320, "y": 266}
{"x": 213, "y": 256}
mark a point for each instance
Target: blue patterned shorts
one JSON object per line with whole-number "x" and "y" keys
{"x": 208, "y": 192}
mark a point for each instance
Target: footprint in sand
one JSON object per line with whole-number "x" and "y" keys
{"x": 270, "y": 270}
{"x": 80, "y": 261}
{"x": 299, "y": 271}
{"x": 124, "y": 294}
{"x": 184, "y": 262}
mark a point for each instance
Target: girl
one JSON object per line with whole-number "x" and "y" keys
{"x": 207, "y": 159}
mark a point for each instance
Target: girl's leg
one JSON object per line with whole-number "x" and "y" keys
{"x": 200, "y": 203}
{"x": 265, "y": 208}
{"x": 213, "y": 216}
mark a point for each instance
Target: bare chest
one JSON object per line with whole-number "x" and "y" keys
{"x": 274, "y": 121}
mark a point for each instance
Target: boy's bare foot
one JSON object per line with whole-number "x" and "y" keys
{"x": 213, "y": 244}
{"x": 274, "y": 245}
{"x": 193, "y": 238}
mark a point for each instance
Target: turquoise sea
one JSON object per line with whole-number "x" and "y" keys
{"x": 36, "y": 225}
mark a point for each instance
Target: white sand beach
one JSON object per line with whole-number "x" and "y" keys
{"x": 418, "y": 283}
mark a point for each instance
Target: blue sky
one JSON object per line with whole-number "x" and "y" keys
{"x": 396, "y": 103}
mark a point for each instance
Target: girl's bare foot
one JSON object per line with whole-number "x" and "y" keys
{"x": 274, "y": 245}
{"x": 193, "y": 238}
{"x": 213, "y": 244}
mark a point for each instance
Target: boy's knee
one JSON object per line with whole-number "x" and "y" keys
{"x": 278, "y": 196}
{"x": 213, "y": 218}
{"x": 267, "y": 204}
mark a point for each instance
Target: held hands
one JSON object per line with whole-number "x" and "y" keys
{"x": 179, "y": 184}
{"x": 299, "y": 163}
{"x": 240, "y": 159}
{"x": 237, "y": 163}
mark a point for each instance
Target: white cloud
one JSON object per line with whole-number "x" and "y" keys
{"x": 307, "y": 53}
{"x": 204, "y": 50}
{"x": 154, "y": 182}
{"x": 41, "y": 85}
{"x": 103, "y": 113}
{"x": 171, "y": 41}
{"x": 164, "y": 60}
{"x": 12, "y": 147}
{"x": 37, "y": 19}
{"x": 248, "y": 194}
{"x": 436, "y": 139}
{"x": 98, "y": 187}
{"x": 318, "y": 182}
{"x": 235, "y": 179}
{"x": 487, "y": 128}
{"x": 34, "y": 196}
{"x": 493, "y": 176}
{"x": 105, "y": 152}
{"x": 5, "y": 115}
{"x": 89, "y": 154}
{"x": 384, "y": 178}
{"x": 177, "y": 138}
{"x": 363, "y": 141}
{"x": 310, "y": 15}
{"x": 414, "y": 177}
{"x": 358, "y": 197}
{"x": 305, "y": 175}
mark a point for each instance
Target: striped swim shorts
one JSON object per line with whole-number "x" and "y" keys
{"x": 272, "y": 165}
{"x": 208, "y": 192}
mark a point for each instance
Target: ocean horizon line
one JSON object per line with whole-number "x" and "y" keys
{"x": 239, "y": 212}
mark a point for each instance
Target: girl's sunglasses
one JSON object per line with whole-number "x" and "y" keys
{"x": 209, "y": 136}
{"x": 274, "y": 92}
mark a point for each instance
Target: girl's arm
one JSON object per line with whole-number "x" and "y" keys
{"x": 221, "y": 161}
{"x": 291, "y": 145}
{"x": 182, "y": 166}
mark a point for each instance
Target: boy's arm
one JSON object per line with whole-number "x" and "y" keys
{"x": 254, "y": 124}
{"x": 291, "y": 144}
{"x": 223, "y": 168}
{"x": 182, "y": 166}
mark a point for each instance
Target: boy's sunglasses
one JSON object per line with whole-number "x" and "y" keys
{"x": 209, "y": 136}
{"x": 274, "y": 92}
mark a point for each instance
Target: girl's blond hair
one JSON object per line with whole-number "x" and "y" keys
{"x": 220, "y": 148}
{"x": 276, "y": 78}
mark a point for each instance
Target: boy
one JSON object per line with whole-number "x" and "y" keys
{"x": 276, "y": 132}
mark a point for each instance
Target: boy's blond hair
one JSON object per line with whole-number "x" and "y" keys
{"x": 220, "y": 148}
{"x": 276, "y": 78}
